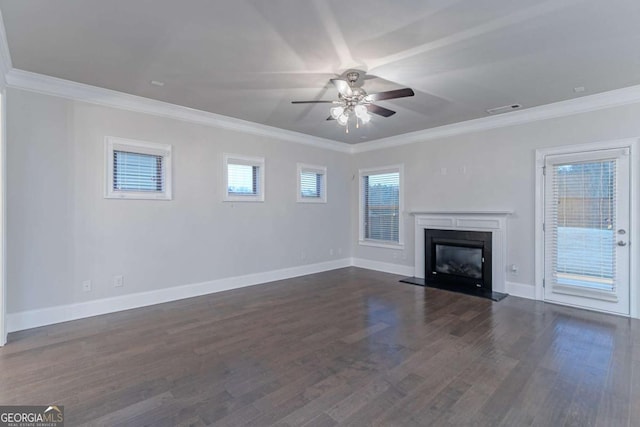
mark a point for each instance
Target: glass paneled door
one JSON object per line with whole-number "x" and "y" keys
{"x": 586, "y": 228}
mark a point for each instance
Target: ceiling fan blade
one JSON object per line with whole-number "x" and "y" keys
{"x": 342, "y": 86}
{"x": 381, "y": 111}
{"x": 312, "y": 102}
{"x": 391, "y": 94}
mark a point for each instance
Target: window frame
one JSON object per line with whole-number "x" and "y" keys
{"x": 362, "y": 173}
{"x": 318, "y": 170}
{"x": 238, "y": 159}
{"x": 113, "y": 143}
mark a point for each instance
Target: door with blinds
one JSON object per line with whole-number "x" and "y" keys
{"x": 586, "y": 229}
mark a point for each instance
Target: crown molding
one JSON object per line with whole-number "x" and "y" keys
{"x": 5, "y": 55}
{"x": 48, "y": 85}
{"x": 600, "y": 101}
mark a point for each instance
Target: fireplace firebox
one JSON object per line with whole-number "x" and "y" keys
{"x": 458, "y": 260}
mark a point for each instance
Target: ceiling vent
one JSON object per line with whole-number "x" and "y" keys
{"x": 503, "y": 109}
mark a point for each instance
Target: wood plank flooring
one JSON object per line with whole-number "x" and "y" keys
{"x": 345, "y": 347}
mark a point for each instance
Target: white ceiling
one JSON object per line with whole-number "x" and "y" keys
{"x": 249, "y": 58}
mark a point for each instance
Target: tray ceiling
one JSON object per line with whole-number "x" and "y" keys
{"x": 249, "y": 58}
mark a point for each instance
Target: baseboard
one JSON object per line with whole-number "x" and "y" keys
{"x": 47, "y": 316}
{"x": 387, "y": 267}
{"x": 64, "y": 313}
{"x": 521, "y": 290}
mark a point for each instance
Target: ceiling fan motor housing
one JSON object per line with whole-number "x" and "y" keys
{"x": 352, "y": 77}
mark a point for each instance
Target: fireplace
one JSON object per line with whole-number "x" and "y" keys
{"x": 466, "y": 260}
{"x": 460, "y": 260}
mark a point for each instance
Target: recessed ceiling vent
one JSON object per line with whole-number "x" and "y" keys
{"x": 503, "y": 109}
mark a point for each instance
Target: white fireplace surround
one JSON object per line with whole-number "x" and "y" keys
{"x": 493, "y": 221}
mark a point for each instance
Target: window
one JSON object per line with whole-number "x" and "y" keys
{"x": 312, "y": 184}
{"x": 380, "y": 206}
{"x": 137, "y": 170}
{"x": 243, "y": 178}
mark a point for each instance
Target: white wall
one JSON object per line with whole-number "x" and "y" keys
{"x": 62, "y": 231}
{"x": 500, "y": 174}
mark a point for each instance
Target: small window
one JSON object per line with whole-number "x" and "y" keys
{"x": 244, "y": 178}
{"x": 381, "y": 206}
{"x": 137, "y": 170}
{"x": 312, "y": 184}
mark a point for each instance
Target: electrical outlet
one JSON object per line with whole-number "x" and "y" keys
{"x": 339, "y": 251}
{"x": 331, "y": 252}
{"x": 118, "y": 281}
{"x": 86, "y": 285}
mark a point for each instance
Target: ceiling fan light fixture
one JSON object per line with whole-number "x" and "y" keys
{"x": 354, "y": 102}
{"x": 360, "y": 111}
{"x": 336, "y": 112}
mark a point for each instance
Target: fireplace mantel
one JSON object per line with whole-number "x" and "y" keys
{"x": 494, "y": 221}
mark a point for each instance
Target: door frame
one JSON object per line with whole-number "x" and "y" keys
{"x": 3, "y": 216}
{"x": 633, "y": 144}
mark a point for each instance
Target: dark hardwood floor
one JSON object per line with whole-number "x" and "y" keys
{"x": 346, "y": 347}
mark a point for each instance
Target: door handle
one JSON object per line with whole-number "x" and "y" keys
{"x": 622, "y": 243}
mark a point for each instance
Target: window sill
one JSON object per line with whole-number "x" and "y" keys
{"x": 234, "y": 199}
{"x": 137, "y": 196}
{"x": 381, "y": 244}
{"x": 311, "y": 200}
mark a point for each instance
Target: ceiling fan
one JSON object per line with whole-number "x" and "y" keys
{"x": 353, "y": 100}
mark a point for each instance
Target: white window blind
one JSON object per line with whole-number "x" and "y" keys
{"x": 242, "y": 180}
{"x": 312, "y": 183}
{"x": 381, "y": 206}
{"x": 580, "y": 240}
{"x": 137, "y": 172}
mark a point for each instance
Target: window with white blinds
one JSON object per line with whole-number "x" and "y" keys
{"x": 137, "y": 172}
{"x": 580, "y": 224}
{"x": 381, "y": 205}
{"x": 137, "y": 169}
{"x": 244, "y": 178}
{"x": 312, "y": 184}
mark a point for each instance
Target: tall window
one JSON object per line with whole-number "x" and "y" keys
{"x": 244, "y": 178}
{"x": 137, "y": 169}
{"x": 381, "y": 205}
{"x": 312, "y": 186}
